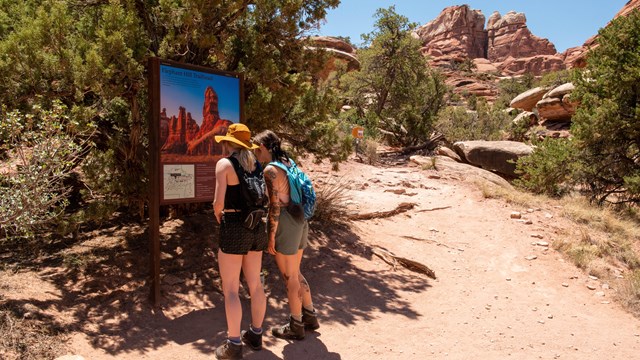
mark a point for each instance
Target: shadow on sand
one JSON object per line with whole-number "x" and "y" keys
{"x": 105, "y": 296}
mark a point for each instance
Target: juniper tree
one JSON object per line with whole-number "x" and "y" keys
{"x": 395, "y": 90}
{"x": 606, "y": 125}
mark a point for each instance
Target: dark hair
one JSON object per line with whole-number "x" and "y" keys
{"x": 272, "y": 142}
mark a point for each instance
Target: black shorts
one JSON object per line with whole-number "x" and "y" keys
{"x": 237, "y": 239}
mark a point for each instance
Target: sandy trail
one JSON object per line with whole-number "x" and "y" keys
{"x": 489, "y": 301}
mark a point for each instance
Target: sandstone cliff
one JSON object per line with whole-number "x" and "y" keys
{"x": 459, "y": 33}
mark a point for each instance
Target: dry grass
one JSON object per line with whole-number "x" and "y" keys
{"x": 431, "y": 165}
{"x": 629, "y": 292}
{"x": 608, "y": 243}
{"x": 28, "y": 339}
{"x": 370, "y": 151}
{"x": 513, "y": 197}
{"x": 331, "y": 201}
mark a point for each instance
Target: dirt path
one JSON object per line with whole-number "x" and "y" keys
{"x": 488, "y": 302}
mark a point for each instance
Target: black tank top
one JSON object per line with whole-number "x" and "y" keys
{"x": 233, "y": 198}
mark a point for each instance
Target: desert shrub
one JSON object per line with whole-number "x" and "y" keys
{"x": 486, "y": 123}
{"x": 629, "y": 293}
{"x": 549, "y": 169}
{"x": 45, "y": 149}
{"x": 369, "y": 149}
{"x": 555, "y": 78}
{"x": 331, "y": 201}
{"x": 512, "y": 87}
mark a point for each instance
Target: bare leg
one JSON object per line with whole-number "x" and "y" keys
{"x": 305, "y": 290}
{"x": 251, "y": 267}
{"x": 290, "y": 269}
{"x": 230, "y": 266}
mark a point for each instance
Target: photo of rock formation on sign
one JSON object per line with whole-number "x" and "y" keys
{"x": 183, "y": 139}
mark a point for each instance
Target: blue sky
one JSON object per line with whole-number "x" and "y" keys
{"x": 566, "y": 23}
{"x": 182, "y": 87}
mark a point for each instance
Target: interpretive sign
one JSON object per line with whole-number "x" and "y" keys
{"x": 195, "y": 104}
{"x": 189, "y": 106}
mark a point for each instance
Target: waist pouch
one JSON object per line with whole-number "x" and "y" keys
{"x": 253, "y": 218}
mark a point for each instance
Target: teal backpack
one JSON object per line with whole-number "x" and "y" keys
{"x": 301, "y": 187}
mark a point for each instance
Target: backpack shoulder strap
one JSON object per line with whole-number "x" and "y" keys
{"x": 236, "y": 164}
{"x": 280, "y": 165}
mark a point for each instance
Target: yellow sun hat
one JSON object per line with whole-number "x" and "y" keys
{"x": 238, "y": 134}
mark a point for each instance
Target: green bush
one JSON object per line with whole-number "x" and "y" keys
{"x": 549, "y": 169}
{"x": 606, "y": 125}
{"x": 486, "y": 123}
{"x": 44, "y": 149}
{"x": 555, "y": 78}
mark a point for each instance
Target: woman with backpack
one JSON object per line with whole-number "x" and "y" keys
{"x": 287, "y": 231}
{"x": 240, "y": 246}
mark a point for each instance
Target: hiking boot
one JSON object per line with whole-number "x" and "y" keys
{"x": 252, "y": 339}
{"x": 229, "y": 350}
{"x": 309, "y": 319}
{"x": 294, "y": 330}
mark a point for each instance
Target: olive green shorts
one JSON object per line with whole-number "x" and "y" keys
{"x": 291, "y": 235}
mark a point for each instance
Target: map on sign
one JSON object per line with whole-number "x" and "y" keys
{"x": 179, "y": 181}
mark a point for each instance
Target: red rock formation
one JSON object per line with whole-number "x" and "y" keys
{"x": 329, "y": 42}
{"x": 509, "y": 36}
{"x": 457, "y": 33}
{"x": 628, "y": 8}
{"x": 164, "y": 126}
{"x": 210, "y": 114}
{"x": 536, "y": 65}
{"x": 575, "y": 57}
{"x": 472, "y": 86}
{"x": 340, "y": 53}
{"x": 182, "y": 129}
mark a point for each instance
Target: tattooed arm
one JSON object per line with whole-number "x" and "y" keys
{"x": 270, "y": 175}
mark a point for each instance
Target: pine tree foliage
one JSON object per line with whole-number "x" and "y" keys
{"x": 395, "y": 90}
{"x": 607, "y": 123}
{"x": 91, "y": 56}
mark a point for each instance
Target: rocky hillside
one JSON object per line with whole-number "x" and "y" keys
{"x": 474, "y": 52}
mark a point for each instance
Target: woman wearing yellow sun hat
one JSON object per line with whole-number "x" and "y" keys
{"x": 241, "y": 246}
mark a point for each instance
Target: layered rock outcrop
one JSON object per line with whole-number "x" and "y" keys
{"x": 182, "y": 129}
{"x": 459, "y": 33}
{"x": 340, "y": 52}
{"x": 509, "y": 37}
{"x": 551, "y": 108}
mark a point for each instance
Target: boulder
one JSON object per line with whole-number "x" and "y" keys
{"x": 445, "y": 151}
{"x": 329, "y": 42}
{"x": 527, "y": 118}
{"x": 484, "y": 66}
{"x": 464, "y": 171}
{"x": 528, "y": 99}
{"x": 560, "y": 91}
{"x": 554, "y": 108}
{"x": 499, "y": 156}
